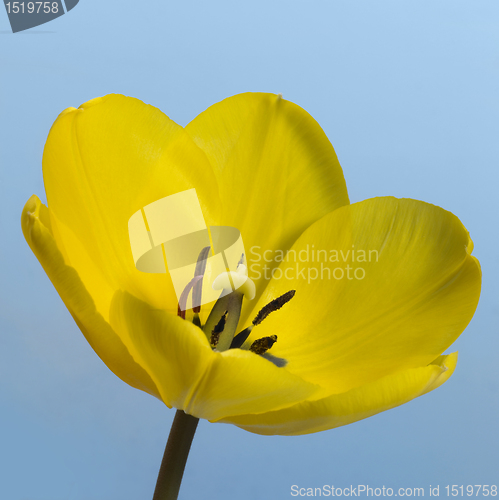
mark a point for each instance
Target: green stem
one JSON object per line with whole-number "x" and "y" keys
{"x": 175, "y": 457}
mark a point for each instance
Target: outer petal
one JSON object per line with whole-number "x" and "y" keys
{"x": 102, "y": 163}
{"x": 399, "y": 310}
{"x": 277, "y": 172}
{"x": 192, "y": 377}
{"x": 35, "y": 222}
{"x": 351, "y": 406}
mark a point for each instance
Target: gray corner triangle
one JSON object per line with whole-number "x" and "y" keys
{"x": 70, "y": 4}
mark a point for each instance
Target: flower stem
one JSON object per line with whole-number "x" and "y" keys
{"x": 175, "y": 457}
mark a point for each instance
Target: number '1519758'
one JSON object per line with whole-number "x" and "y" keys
{"x": 32, "y": 7}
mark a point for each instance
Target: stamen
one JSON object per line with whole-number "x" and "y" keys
{"x": 231, "y": 303}
{"x": 196, "y": 320}
{"x": 261, "y": 346}
{"x": 219, "y": 328}
{"x": 240, "y": 338}
{"x": 241, "y": 261}
{"x": 198, "y": 287}
{"x": 272, "y": 306}
{"x": 182, "y": 302}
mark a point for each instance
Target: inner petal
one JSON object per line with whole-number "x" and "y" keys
{"x": 395, "y": 308}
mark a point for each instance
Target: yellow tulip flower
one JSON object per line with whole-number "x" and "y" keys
{"x": 346, "y": 348}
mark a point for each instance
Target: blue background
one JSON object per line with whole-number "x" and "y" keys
{"x": 408, "y": 94}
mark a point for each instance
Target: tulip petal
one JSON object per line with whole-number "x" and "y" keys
{"x": 401, "y": 310}
{"x": 36, "y": 227}
{"x": 277, "y": 172}
{"x": 105, "y": 161}
{"x": 351, "y": 406}
{"x": 191, "y": 376}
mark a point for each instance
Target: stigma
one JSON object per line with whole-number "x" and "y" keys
{"x": 233, "y": 281}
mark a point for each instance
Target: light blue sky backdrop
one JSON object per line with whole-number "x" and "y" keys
{"x": 407, "y": 92}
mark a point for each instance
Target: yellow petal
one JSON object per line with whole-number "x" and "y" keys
{"x": 356, "y": 404}
{"x": 192, "y": 377}
{"x": 35, "y": 223}
{"x": 409, "y": 301}
{"x": 105, "y": 161}
{"x": 277, "y": 172}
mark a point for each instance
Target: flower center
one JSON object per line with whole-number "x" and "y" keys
{"x": 221, "y": 326}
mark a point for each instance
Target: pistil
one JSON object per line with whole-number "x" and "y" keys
{"x": 219, "y": 328}
{"x": 230, "y": 304}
